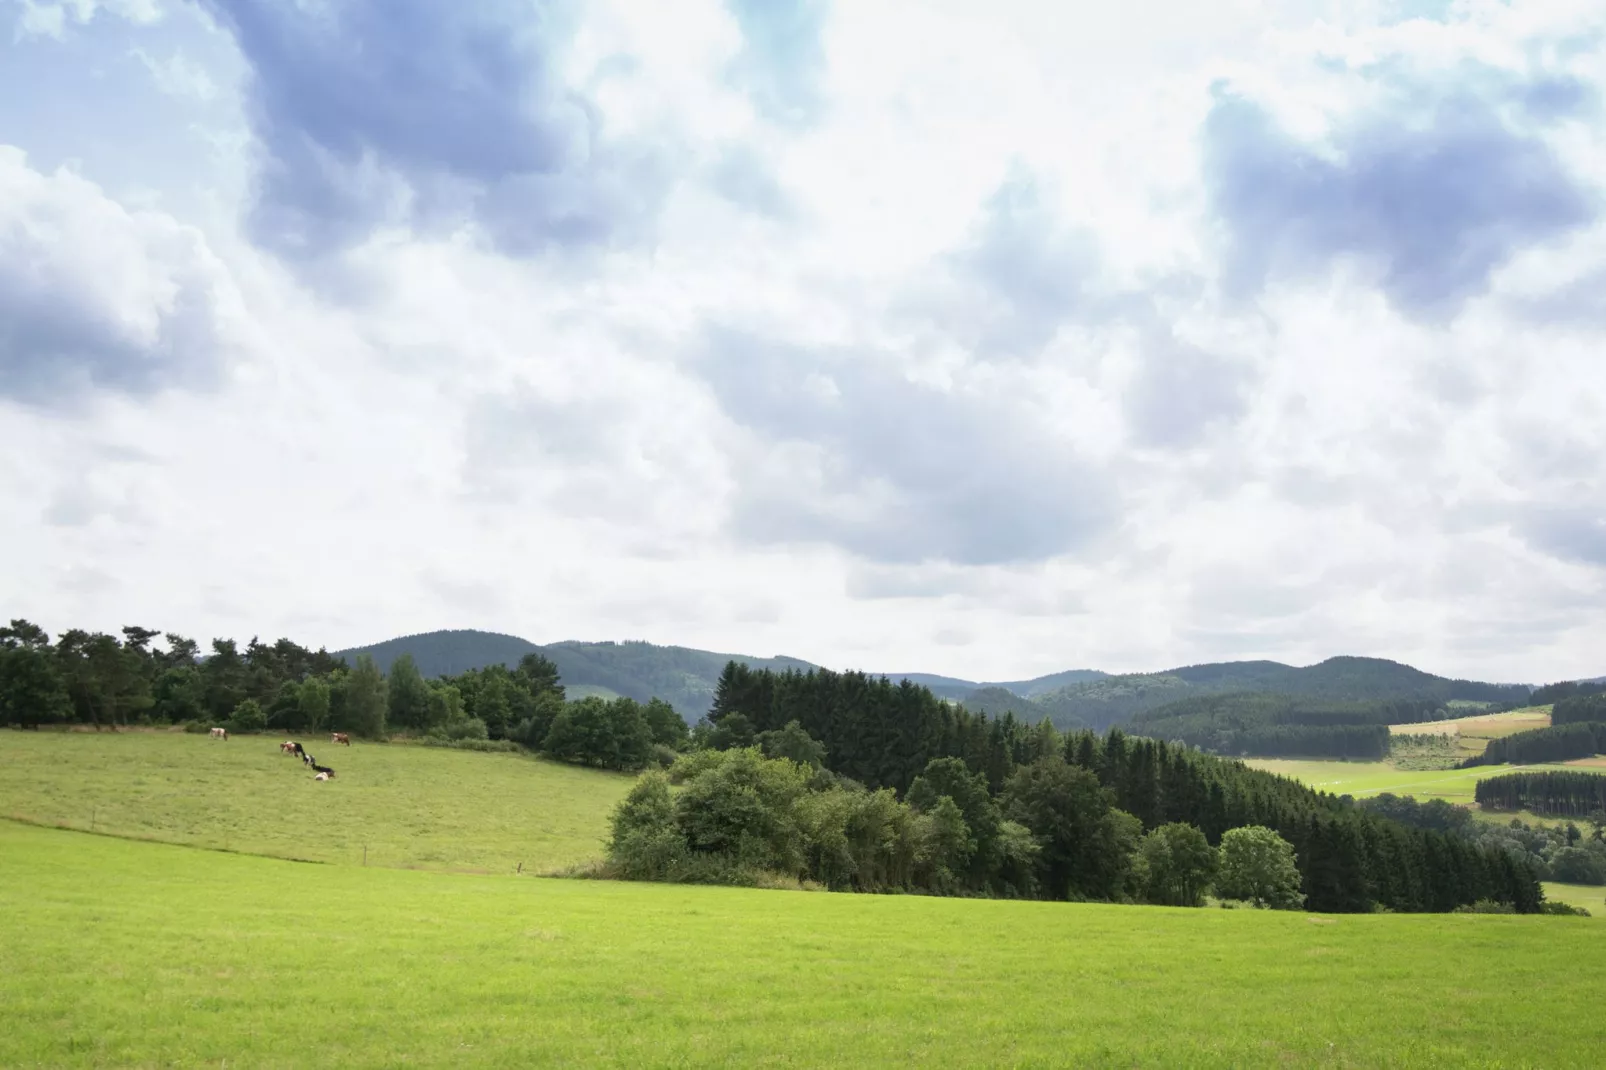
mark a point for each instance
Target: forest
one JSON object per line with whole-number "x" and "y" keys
{"x": 1341, "y": 680}
{"x": 1580, "y": 708}
{"x": 1558, "y": 743}
{"x": 1564, "y": 794}
{"x": 1557, "y": 852}
{"x": 877, "y": 735}
{"x": 1271, "y": 725}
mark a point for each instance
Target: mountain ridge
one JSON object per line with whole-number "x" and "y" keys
{"x": 686, "y": 677}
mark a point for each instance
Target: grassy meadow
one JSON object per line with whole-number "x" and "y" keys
{"x": 121, "y": 953}
{"x": 1362, "y": 779}
{"x": 410, "y": 806}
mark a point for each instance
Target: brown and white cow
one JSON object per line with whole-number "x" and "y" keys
{"x": 340, "y": 737}
{"x": 220, "y": 733}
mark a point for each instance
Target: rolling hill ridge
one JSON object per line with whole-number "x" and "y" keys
{"x": 686, "y": 678}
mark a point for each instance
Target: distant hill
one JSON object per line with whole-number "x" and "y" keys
{"x": 446, "y": 653}
{"x": 1078, "y": 697}
{"x": 682, "y": 676}
{"x": 1113, "y": 699}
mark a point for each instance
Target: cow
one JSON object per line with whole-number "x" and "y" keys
{"x": 323, "y": 771}
{"x": 340, "y": 737}
{"x": 324, "y": 776}
{"x": 288, "y": 747}
{"x": 307, "y": 759}
{"x": 221, "y": 733}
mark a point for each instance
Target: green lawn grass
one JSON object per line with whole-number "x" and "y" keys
{"x": 116, "y": 953}
{"x": 412, "y": 806}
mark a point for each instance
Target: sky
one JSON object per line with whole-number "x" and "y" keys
{"x": 986, "y": 339}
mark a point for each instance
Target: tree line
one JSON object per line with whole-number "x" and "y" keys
{"x": 1271, "y": 725}
{"x": 111, "y": 682}
{"x": 1581, "y": 708}
{"x": 1566, "y": 794}
{"x": 1053, "y": 833}
{"x": 1350, "y": 860}
{"x": 1558, "y": 743}
{"x": 1556, "y": 852}
{"x": 1551, "y": 693}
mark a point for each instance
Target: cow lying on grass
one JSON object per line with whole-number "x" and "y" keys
{"x": 323, "y": 771}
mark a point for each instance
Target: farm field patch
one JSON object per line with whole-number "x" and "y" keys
{"x": 121, "y": 953}
{"x": 1472, "y": 734}
{"x": 1362, "y": 779}
{"x": 411, "y": 806}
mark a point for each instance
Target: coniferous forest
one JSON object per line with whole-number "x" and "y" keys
{"x": 1565, "y": 794}
{"x": 1559, "y": 743}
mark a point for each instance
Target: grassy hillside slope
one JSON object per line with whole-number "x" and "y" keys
{"x": 421, "y": 807}
{"x": 200, "y": 959}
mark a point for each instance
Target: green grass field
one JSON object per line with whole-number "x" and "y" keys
{"x": 412, "y": 806}
{"x": 1361, "y": 779}
{"x": 117, "y": 953}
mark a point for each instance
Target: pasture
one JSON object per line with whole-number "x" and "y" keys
{"x": 409, "y": 806}
{"x": 1362, "y": 779}
{"x": 136, "y": 954}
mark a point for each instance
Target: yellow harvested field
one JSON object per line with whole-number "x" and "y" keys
{"x": 1481, "y": 726}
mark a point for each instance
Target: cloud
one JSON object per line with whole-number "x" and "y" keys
{"x": 857, "y": 455}
{"x": 1180, "y": 391}
{"x": 741, "y": 175}
{"x": 428, "y": 115}
{"x": 177, "y": 76}
{"x": 1017, "y": 278}
{"x": 1570, "y": 533}
{"x": 49, "y": 18}
{"x": 782, "y": 58}
{"x": 93, "y": 296}
{"x": 1432, "y": 189}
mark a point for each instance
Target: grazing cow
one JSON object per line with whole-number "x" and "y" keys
{"x": 324, "y": 776}
{"x": 221, "y": 733}
{"x": 340, "y": 737}
{"x": 287, "y": 747}
{"x": 298, "y": 749}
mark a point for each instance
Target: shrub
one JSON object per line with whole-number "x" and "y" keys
{"x": 247, "y": 717}
{"x": 467, "y": 729}
{"x": 1553, "y": 907}
{"x": 1486, "y": 906}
